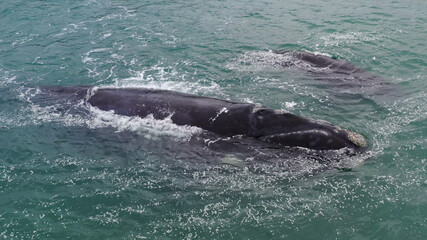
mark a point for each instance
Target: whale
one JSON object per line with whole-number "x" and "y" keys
{"x": 326, "y": 67}
{"x": 341, "y": 78}
{"x": 222, "y": 117}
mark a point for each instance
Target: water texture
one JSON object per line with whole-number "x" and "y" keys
{"x": 72, "y": 172}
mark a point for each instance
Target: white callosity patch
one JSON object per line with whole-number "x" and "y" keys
{"x": 356, "y": 138}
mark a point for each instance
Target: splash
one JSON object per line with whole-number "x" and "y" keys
{"x": 161, "y": 76}
{"x": 337, "y": 39}
{"x": 148, "y": 126}
{"x": 82, "y": 114}
{"x": 258, "y": 61}
{"x": 269, "y": 60}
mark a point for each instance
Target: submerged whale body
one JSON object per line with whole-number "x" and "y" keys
{"x": 328, "y": 67}
{"x": 340, "y": 76}
{"x": 225, "y": 118}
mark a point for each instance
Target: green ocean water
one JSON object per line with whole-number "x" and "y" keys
{"x": 71, "y": 175}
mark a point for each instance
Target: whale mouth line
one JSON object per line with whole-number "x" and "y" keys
{"x": 354, "y": 138}
{"x": 314, "y": 131}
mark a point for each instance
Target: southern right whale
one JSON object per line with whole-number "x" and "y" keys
{"x": 340, "y": 77}
{"x": 327, "y": 67}
{"x": 225, "y": 118}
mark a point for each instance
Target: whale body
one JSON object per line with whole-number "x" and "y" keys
{"x": 222, "y": 117}
{"x": 326, "y": 67}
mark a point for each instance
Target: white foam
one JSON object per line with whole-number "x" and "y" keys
{"x": 24, "y": 40}
{"x": 268, "y": 60}
{"x": 7, "y": 77}
{"x": 34, "y": 114}
{"x": 105, "y": 36}
{"x": 223, "y": 110}
{"x": 316, "y": 53}
{"x": 336, "y": 39}
{"x": 167, "y": 78}
{"x": 290, "y": 105}
{"x": 148, "y": 126}
{"x": 259, "y": 60}
{"x": 402, "y": 113}
{"x": 248, "y": 100}
{"x": 87, "y": 57}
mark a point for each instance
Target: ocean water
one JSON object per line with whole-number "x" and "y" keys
{"x": 68, "y": 172}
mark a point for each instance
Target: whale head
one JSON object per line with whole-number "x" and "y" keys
{"x": 287, "y": 129}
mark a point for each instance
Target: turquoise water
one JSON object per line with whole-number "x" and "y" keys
{"x": 95, "y": 175}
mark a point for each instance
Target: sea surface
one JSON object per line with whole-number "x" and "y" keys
{"x": 72, "y": 172}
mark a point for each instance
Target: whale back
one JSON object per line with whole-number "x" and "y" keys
{"x": 220, "y": 116}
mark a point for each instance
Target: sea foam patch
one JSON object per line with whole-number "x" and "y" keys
{"x": 259, "y": 60}
{"x": 166, "y": 77}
